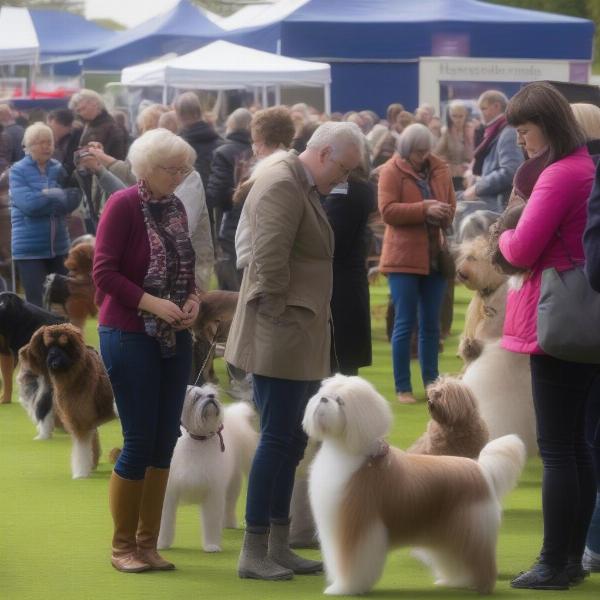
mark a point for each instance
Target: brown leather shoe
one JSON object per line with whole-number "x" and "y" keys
{"x": 124, "y": 497}
{"x": 155, "y": 485}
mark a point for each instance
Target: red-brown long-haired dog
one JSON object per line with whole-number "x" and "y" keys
{"x": 75, "y": 291}
{"x": 83, "y": 397}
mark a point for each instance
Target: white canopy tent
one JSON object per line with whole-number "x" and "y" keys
{"x": 226, "y": 66}
{"x": 18, "y": 40}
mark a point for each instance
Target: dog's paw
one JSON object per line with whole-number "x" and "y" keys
{"x": 231, "y": 523}
{"x": 43, "y": 436}
{"x": 338, "y": 589}
{"x": 81, "y": 474}
{"x": 212, "y": 548}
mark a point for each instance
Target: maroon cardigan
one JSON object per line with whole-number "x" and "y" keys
{"x": 121, "y": 259}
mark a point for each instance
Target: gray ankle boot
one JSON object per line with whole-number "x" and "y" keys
{"x": 254, "y": 562}
{"x": 279, "y": 551}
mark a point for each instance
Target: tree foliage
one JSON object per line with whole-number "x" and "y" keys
{"x": 587, "y": 9}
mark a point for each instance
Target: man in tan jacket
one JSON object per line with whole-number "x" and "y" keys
{"x": 280, "y": 332}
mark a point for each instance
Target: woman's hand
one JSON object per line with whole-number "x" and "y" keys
{"x": 190, "y": 312}
{"x": 164, "y": 309}
{"x": 436, "y": 211}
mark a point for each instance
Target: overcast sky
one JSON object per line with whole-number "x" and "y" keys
{"x": 127, "y": 12}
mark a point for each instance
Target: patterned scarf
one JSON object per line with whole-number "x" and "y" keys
{"x": 490, "y": 133}
{"x": 170, "y": 272}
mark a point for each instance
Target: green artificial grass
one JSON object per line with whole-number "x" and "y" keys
{"x": 55, "y": 532}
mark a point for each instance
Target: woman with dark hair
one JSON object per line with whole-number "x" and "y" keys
{"x": 549, "y": 234}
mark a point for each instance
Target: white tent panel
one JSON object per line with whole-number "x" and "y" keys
{"x": 18, "y": 40}
{"x": 262, "y": 14}
{"x": 223, "y": 65}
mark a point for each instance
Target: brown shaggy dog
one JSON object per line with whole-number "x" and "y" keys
{"x": 83, "y": 396}
{"x": 456, "y": 427}
{"x": 508, "y": 220}
{"x": 211, "y": 325}
{"x": 485, "y": 314}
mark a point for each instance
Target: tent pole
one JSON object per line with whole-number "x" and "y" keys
{"x": 278, "y": 95}
{"x": 327, "y": 91}
{"x": 265, "y": 97}
{"x": 255, "y": 95}
{"x": 164, "y": 98}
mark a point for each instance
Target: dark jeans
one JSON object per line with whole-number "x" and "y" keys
{"x": 412, "y": 295}
{"x": 33, "y": 274}
{"x": 593, "y": 439}
{"x": 281, "y": 404}
{"x": 149, "y": 391}
{"x": 561, "y": 392}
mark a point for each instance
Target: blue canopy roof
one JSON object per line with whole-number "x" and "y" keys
{"x": 404, "y": 29}
{"x": 63, "y": 35}
{"x": 181, "y": 30}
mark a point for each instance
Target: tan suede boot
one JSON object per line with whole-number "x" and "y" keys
{"x": 125, "y": 496}
{"x": 155, "y": 485}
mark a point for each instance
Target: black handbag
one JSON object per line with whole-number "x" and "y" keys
{"x": 568, "y": 315}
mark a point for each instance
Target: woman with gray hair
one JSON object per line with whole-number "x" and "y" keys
{"x": 40, "y": 203}
{"x": 416, "y": 202}
{"x": 144, "y": 274}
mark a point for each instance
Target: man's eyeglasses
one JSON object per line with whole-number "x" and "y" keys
{"x": 183, "y": 171}
{"x": 344, "y": 170}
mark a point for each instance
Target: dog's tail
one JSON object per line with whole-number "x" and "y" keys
{"x": 502, "y": 461}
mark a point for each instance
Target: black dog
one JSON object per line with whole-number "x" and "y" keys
{"x": 18, "y": 322}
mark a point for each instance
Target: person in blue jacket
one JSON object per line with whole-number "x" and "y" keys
{"x": 591, "y": 247}
{"x": 40, "y": 202}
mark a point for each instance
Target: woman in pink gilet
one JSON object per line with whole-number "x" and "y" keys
{"x": 549, "y": 234}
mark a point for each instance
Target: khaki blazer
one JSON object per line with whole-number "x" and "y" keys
{"x": 281, "y": 324}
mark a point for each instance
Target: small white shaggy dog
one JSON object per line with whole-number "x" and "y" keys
{"x": 501, "y": 382}
{"x": 368, "y": 497}
{"x": 215, "y": 450}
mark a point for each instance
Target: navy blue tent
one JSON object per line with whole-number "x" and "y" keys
{"x": 63, "y": 35}
{"x": 181, "y": 30}
{"x": 373, "y": 45}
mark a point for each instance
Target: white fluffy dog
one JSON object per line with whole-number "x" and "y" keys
{"x": 501, "y": 382}
{"x": 214, "y": 452}
{"x": 368, "y": 497}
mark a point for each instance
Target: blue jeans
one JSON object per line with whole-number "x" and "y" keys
{"x": 593, "y": 440}
{"x": 561, "y": 394}
{"x": 412, "y": 295}
{"x": 281, "y": 404}
{"x": 149, "y": 392}
{"x": 33, "y": 274}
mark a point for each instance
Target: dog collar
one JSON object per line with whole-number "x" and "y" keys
{"x": 383, "y": 449}
{"x": 203, "y": 438}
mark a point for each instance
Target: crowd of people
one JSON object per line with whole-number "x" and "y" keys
{"x": 289, "y": 206}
